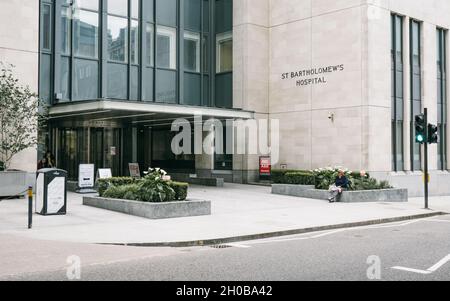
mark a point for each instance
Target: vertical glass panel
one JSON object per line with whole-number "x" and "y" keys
{"x": 224, "y": 90}
{"x": 117, "y": 39}
{"x": 166, "y": 52}
{"x": 86, "y": 34}
{"x": 46, "y": 75}
{"x": 87, "y": 4}
{"x": 206, "y": 15}
{"x": 192, "y": 89}
{"x": 205, "y": 96}
{"x": 118, "y": 7}
{"x": 86, "y": 80}
{"x": 224, "y": 56}
{"x": 134, "y": 42}
{"x": 149, "y": 44}
{"x": 166, "y": 12}
{"x": 65, "y": 78}
{"x": 134, "y": 85}
{"x": 205, "y": 54}
{"x": 192, "y": 15}
{"x": 148, "y": 10}
{"x": 399, "y": 144}
{"x": 135, "y": 9}
{"x": 192, "y": 51}
{"x": 166, "y": 86}
{"x": 46, "y": 27}
{"x": 224, "y": 15}
{"x": 148, "y": 87}
{"x": 117, "y": 81}
{"x": 65, "y": 30}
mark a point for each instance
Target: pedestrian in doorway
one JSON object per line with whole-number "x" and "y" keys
{"x": 50, "y": 159}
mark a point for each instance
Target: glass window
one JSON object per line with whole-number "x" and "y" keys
{"x": 206, "y": 15}
{"x": 135, "y": 9}
{"x": 86, "y": 80}
{"x": 86, "y": 34}
{"x": 65, "y": 30}
{"x": 149, "y": 38}
{"x": 416, "y": 91}
{"x": 87, "y": 4}
{"x": 117, "y": 39}
{"x": 166, "y": 12}
{"x": 117, "y": 81}
{"x": 205, "y": 54}
{"x": 397, "y": 94}
{"x": 65, "y": 78}
{"x": 166, "y": 91}
{"x": 134, "y": 40}
{"x": 441, "y": 98}
{"x": 224, "y": 17}
{"x": 192, "y": 51}
{"x": 192, "y": 15}
{"x": 134, "y": 85}
{"x": 166, "y": 52}
{"x": 224, "y": 48}
{"x": 118, "y": 7}
{"x": 46, "y": 27}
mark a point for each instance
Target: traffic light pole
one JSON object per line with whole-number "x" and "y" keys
{"x": 427, "y": 177}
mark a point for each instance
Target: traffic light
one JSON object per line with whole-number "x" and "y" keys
{"x": 421, "y": 129}
{"x": 433, "y": 134}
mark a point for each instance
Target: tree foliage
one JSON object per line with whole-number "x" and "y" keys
{"x": 22, "y": 114}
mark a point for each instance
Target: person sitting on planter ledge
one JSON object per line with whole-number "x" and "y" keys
{"x": 340, "y": 185}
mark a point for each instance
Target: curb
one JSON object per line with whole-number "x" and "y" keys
{"x": 219, "y": 241}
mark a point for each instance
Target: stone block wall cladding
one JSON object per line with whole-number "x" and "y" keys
{"x": 354, "y": 35}
{"x": 19, "y": 44}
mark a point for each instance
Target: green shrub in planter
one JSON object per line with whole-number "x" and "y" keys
{"x": 2, "y": 166}
{"x": 104, "y": 184}
{"x": 181, "y": 190}
{"x": 124, "y": 192}
{"x": 299, "y": 178}
{"x": 154, "y": 189}
{"x": 278, "y": 176}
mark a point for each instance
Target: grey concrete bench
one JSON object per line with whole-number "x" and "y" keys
{"x": 384, "y": 195}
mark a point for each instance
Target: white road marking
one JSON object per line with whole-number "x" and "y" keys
{"x": 278, "y": 240}
{"x": 438, "y": 220}
{"x": 431, "y": 270}
{"x": 240, "y": 246}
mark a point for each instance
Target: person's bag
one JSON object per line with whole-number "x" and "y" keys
{"x": 333, "y": 188}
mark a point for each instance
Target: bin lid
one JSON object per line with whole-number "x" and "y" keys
{"x": 53, "y": 171}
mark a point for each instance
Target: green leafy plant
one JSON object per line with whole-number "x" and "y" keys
{"x": 299, "y": 178}
{"x": 2, "y": 166}
{"x": 152, "y": 188}
{"x": 180, "y": 189}
{"x": 126, "y": 192}
{"x": 22, "y": 114}
{"x": 325, "y": 177}
{"x": 278, "y": 176}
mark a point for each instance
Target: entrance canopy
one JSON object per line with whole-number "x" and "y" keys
{"x": 94, "y": 113}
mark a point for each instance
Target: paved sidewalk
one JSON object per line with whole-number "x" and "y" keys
{"x": 238, "y": 210}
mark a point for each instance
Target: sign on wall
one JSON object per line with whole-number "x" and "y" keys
{"x": 265, "y": 167}
{"x": 86, "y": 173}
{"x": 134, "y": 170}
{"x": 313, "y": 76}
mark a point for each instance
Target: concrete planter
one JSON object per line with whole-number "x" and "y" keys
{"x": 151, "y": 210}
{"x": 384, "y": 195}
{"x": 212, "y": 182}
{"x": 13, "y": 183}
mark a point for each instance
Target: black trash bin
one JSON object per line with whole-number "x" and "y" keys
{"x": 51, "y": 192}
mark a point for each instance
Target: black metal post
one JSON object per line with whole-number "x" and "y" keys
{"x": 427, "y": 177}
{"x": 30, "y": 207}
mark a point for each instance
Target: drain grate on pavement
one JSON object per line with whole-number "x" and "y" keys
{"x": 220, "y": 246}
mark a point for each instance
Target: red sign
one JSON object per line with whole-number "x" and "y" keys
{"x": 265, "y": 166}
